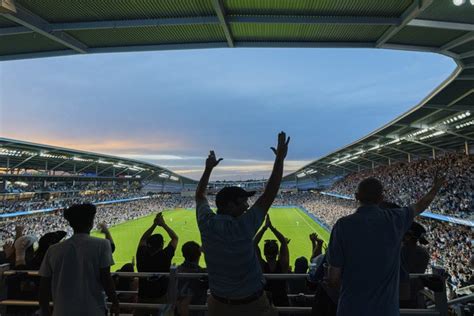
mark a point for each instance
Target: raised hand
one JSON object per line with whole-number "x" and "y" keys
{"x": 103, "y": 228}
{"x": 8, "y": 249}
{"x": 159, "y": 220}
{"x": 268, "y": 222}
{"x": 439, "y": 180}
{"x": 19, "y": 229}
{"x": 212, "y": 161}
{"x": 282, "y": 147}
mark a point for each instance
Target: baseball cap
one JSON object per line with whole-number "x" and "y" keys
{"x": 51, "y": 238}
{"x": 418, "y": 231}
{"x": 230, "y": 194}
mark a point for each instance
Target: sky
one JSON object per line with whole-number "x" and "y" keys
{"x": 171, "y": 107}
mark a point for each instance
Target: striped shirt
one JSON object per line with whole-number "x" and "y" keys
{"x": 232, "y": 264}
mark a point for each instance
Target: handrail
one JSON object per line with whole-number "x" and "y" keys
{"x": 292, "y": 309}
{"x": 439, "y": 309}
{"x": 281, "y": 276}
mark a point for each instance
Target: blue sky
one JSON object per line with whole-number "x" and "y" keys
{"x": 171, "y": 107}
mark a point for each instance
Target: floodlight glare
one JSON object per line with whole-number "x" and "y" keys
{"x": 460, "y": 2}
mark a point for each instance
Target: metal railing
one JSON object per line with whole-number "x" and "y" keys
{"x": 439, "y": 308}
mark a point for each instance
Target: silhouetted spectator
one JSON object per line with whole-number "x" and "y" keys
{"x": 364, "y": 252}
{"x": 191, "y": 291}
{"x": 276, "y": 261}
{"x": 413, "y": 259}
{"x": 235, "y": 275}
{"x": 128, "y": 284}
{"x": 152, "y": 257}
{"x": 77, "y": 271}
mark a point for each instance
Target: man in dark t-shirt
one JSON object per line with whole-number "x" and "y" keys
{"x": 151, "y": 257}
{"x": 364, "y": 251}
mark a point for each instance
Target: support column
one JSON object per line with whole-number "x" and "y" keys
{"x": 409, "y": 158}
{"x": 434, "y": 153}
{"x": 8, "y": 163}
{"x": 389, "y": 161}
{"x": 466, "y": 148}
{"x": 373, "y": 166}
{"x": 46, "y": 166}
{"x": 358, "y": 168}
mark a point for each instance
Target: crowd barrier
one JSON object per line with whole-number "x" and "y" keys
{"x": 438, "y": 295}
{"x": 47, "y": 210}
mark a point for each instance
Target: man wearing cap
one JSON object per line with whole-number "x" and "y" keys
{"x": 413, "y": 259}
{"x": 235, "y": 275}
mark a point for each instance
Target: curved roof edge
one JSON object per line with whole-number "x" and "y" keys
{"x": 48, "y": 158}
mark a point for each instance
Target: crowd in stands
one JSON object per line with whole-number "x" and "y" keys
{"x": 63, "y": 186}
{"x": 405, "y": 182}
{"x": 111, "y": 214}
{"x": 234, "y": 263}
{"x": 38, "y": 202}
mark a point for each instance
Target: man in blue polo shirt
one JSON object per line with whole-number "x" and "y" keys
{"x": 235, "y": 276}
{"x": 364, "y": 252}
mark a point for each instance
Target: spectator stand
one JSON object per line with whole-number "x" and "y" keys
{"x": 437, "y": 295}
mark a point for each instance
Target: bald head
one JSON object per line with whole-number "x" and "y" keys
{"x": 370, "y": 191}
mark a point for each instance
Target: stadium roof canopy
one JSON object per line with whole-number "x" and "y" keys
{"x": 442, "y": 121}
{"x": 54, "y": 161}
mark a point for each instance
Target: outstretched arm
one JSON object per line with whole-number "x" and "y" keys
{"x": 161, "y": 222}
{"x": 284, "y": 257}
{"x": 258, "y": 238}
{"x": 317, "y": 245}
{"x": 211, "y": 162}
{"x": 426, "y": 200}
{"x": 266, "y": 199}
{"x": 105, "y": 230}
{"x": 149, "y": 231}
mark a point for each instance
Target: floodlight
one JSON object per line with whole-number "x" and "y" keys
{"x": 460, "y": 2}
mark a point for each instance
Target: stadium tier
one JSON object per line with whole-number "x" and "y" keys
{"x": 39, "y": 181}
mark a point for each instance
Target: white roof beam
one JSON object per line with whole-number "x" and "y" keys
{"x": 442, "y": 25}
{"x": 410, "y": 13}
{"x": 220, "y": 11}
{"x": 458, "y": 41}
{"x": 35, "y": 23}
{"x": 21, "y": 163}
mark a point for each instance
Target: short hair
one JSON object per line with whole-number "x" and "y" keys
{"x": 155, "y": 241}
{"x": 80, "y": 216}
{"x": 270, "y": 248}
{"x": 191, "y": 251}
{"x": 301, "y": 265}
{"x": 370, "y": 191}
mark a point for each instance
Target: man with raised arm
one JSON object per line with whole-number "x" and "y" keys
{"x": 235, "y": 275}
{"x": 364, "y": 251}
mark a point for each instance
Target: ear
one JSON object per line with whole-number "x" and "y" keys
{"x": 381, "y": 198}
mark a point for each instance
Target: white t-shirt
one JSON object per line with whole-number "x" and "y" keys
{"x": 74, "y": 268}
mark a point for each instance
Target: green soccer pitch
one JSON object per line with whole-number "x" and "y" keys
{"x": 293, "y": 223}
